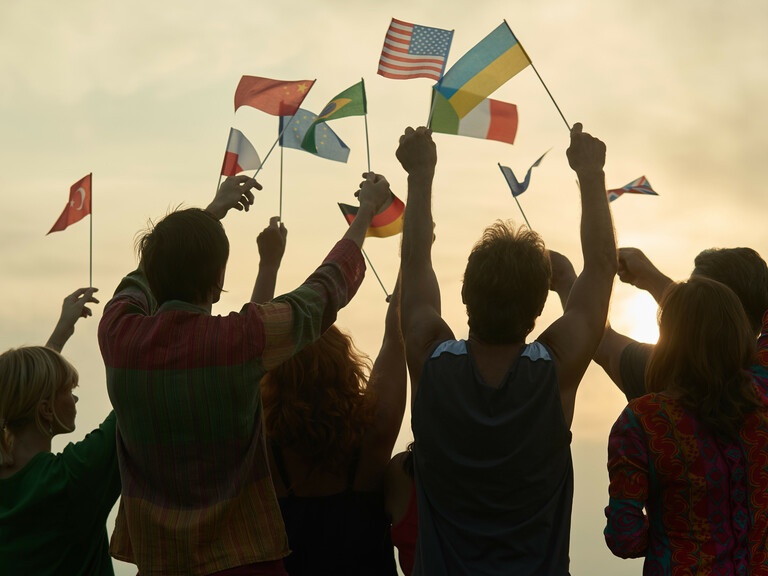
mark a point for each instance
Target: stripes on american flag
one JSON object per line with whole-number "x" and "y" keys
{"x": 413, "y": 51}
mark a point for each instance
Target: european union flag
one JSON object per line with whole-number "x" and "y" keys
{"x": 329, "y": 145}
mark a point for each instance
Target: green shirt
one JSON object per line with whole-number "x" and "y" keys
{"x": 53, "y": 511}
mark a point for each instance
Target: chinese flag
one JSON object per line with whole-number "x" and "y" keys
{"x": 275, "y": 97}
{"x": 78, "y": 207}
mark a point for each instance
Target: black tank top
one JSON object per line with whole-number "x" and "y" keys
{"x": 342, "y": 534}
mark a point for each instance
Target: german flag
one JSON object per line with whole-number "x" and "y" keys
{"x": 388, "y": 222}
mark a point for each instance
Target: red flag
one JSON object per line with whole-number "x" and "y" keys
{"x": 275, "y": 97}
{"x": 78, "y": 207}
{"x": 240, "y": 155}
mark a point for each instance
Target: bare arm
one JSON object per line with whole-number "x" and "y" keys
{"x": 574, "y": 337}
{"x": 635, "y": 268}
{"x": 423, "y": 327}
{"x": 271, "y": 243}
{"x": 72, "y": 309}
{"x": 563, "y": 276}
{"x": 387, "y": 382}
{"x": 608, "y": 354}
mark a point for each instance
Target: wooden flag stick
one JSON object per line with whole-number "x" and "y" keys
{"x": 521, "y": 212}
{"x": 432, "y": 106}
{"x": 368, "y": 154}
{"x": 540, "y": 79}
{"x": 90, "y": 266}
{"x": 281, "y": 185}
{"x": 375, "y": 274}
{"x": 273, "y": 146}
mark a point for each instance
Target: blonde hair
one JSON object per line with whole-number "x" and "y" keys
{"x": 28, "y": 376}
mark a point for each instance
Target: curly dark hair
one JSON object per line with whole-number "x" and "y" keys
{"x": 318, "y": 403}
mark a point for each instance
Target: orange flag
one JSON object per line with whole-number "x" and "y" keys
{"x": 276, "y": 97}
{"x": 78, "y": 207}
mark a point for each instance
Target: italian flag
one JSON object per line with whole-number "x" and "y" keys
{"x": 490, "y": 120}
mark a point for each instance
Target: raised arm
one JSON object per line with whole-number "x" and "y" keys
{"x": 563, "y": 276}
{"x": 387, "y": 382}
{"x": 73, "y": 308}
{"x": 271, "y": 242}
{"x": 574, "y": 337}
{"x": 635, "y": 268}
{"x": 423, "y": 327}
{"x": 623, "y": 358}
{"x": 235, "y": 193}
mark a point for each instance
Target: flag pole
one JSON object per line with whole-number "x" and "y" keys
{"x": 281, "y": 184}
{"x": 540, "y": 78}
{"x": 90, "y": 266}
{"x": 432, "y": 106}
{"x": 516, "y": 200}
{"x": 218, "y": 185}
{"x": 375, "y": 274}
{"x": 368, "y": 155}
{"x": 434, "y": 90}
{"x": 521, "y": 212}
{"x": 273, "y": 146}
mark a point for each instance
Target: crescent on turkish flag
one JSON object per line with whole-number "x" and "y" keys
{"x": 78, "y": 206}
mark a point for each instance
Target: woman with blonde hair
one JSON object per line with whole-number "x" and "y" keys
{"x": 693, "y": 452}
{"x": 331, "y": 422}
{"x": 53, "y": 507}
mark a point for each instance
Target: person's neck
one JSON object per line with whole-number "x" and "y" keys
{"x": 493, "y": 360}
{"x": 27, "y": 443}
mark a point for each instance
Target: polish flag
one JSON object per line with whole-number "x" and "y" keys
{"x": 240, "y": 155}
{"x": 78, "y": 206}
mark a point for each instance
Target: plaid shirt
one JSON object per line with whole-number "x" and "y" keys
{"x": 197, "y": 494}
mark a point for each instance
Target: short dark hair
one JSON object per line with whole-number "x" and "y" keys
{"x": 183, "y": 255}
{"x": 506, "y": 283}
{"x": 744, "y": 272}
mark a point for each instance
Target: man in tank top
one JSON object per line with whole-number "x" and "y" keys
{"x": 492, "y": 414}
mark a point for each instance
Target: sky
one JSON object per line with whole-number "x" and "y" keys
{"x": 141, "y": 94}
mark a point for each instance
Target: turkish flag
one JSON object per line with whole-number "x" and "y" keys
{"x": 78, "y": 207}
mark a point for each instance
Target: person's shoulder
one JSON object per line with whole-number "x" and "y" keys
{"x": 451, "y": 347}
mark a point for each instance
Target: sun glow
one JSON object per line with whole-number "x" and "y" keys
{"x": 637, "y": 318}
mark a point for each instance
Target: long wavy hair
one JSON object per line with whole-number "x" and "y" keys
{"x": 28, "y": 376}
{"x": 318, "y": 402}
{"x": 703, "y": 354}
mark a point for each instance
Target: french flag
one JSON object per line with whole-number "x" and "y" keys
{"x": 240, "y": 155}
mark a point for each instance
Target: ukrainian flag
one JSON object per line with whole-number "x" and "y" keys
{"x": 478, "y": 73}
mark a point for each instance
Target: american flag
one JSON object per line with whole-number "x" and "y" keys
{"x": 413, "y": 51}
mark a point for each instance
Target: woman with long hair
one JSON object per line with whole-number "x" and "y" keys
{"x": 331, "y": 421}
{"x": 693, "y": 452}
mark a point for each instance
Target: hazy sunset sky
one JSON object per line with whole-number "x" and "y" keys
{"x": 141, "y": 94}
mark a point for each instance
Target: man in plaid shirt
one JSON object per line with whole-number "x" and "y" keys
{"x": 197, "y": 495}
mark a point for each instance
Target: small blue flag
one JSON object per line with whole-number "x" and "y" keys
{"x": 329, "y": 145}
{"x": 516, "y": 187}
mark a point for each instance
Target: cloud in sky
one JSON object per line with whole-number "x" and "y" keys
{"x": 141, "y": 93}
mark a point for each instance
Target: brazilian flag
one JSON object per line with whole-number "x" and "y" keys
{"x": 351, "y": 102}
